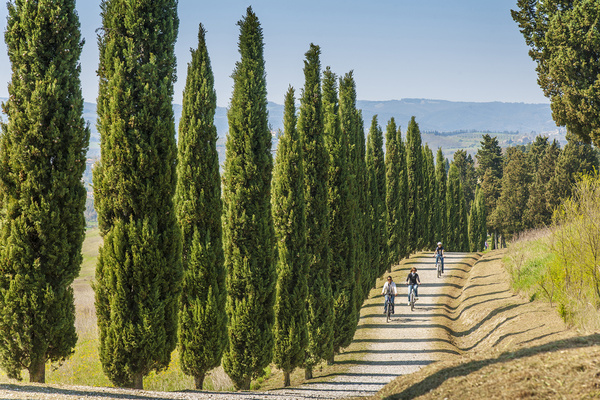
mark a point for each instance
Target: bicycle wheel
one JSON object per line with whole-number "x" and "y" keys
{"x": 438, "y": 265}
{"x": 412, "y": 300}
{"x": 389, "y": 312}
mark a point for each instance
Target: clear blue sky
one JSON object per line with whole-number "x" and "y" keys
{"x": 461, "y": 50}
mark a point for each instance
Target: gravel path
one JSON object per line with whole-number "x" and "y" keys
{"x": 380, "y": 352}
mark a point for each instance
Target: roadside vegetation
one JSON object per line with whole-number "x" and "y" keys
{"x": 561, "y": 264}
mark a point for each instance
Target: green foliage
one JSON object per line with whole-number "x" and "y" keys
{"x": 289, "y": 220}
{"x": 312, "y": 132}
{"x": 415, "y": 205}
{"x": 202, "y": 319}
{"x": 489, "y": 172}
{"x": 376, "y": 173}
{"x": 453, "y": 210}
{"x": 392, "y": 194}
{"x": 248, "y": 234}
{"x": 564, "y": 37}
{"x": 404, "y": 237}
{"x": 432, "y": 204}
{"x": 441, "y": 215}
{"x": 342, "y": 208}
{"x": 515, "y": 193}
{"x": 42, "y": 197}
{"x": 139, "y": 266}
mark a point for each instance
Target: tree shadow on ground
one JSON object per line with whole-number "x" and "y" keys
{"x": 437, "y": 379}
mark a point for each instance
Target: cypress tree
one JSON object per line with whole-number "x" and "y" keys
{"x": 202, "y": 319}
{"x": 320, "y": 300}
{"x": 342, "y": 215}
{"x": 139, "y": 265}
{"x": 368, "y": 272}
{"x": 404, "y": 236}
{"x": 473, "y": 228}
{"x": 415, "y": 207}
{"x": 489, "y": 172}
{"x": 42, "y": 160}
{"x": 248, "y": 234}
{"x": 431, "y": 200}
{"x": 441, "y": 179}
{"x": 289, "y": 220}
{"x": 453, "y": 209}
{"x": 392, "y": 194}
{"x": 312, "y": 132}
{"x": 377, "y": 173}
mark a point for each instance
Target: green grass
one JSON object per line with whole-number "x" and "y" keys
{"x": 528, "y": 260}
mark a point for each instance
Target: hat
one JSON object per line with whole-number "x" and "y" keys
{"x": 439, "y": 243}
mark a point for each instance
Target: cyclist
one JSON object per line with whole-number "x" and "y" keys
{"x": 389, "y": 290}
{"x": 413, "y": 281}
{"x": 439, "y": 254}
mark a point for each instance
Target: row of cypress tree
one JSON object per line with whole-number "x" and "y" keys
{"x": 224, "y": 275}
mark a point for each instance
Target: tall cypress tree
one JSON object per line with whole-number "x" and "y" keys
{"x": 248, "y": 234}
{"x": 42, "y": 198}
{"x": 441, "y": 179}
{"x": 139, "y": 265}
{"x": 379, "y": 260}
{"x": 368, "y": 272}
{"x": 431, "y": 200}
{"x": 453, "y": 210}
{"x": 415, "y": 206}
{"x": 404, "y": 236}
{"x": 312, "y": 132}
{"x": 392, "y": 194}
{"x": 341, "y": 216}
{"x": 289, "y": 219}
{"x": 202, "y": 319}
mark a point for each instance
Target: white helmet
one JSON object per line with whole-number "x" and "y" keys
{"x": 439, "y": 243}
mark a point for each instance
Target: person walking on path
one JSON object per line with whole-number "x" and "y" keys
{"x": 413, "y": 281}
{"x": 390, "y": 292}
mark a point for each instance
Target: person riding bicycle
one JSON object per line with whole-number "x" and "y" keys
{"x": 390, "y": 292}
{"x": 439, "y": 255}
{"x": 413, "y": 281}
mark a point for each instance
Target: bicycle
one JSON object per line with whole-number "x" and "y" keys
{"x": 389, "y": 305}
{"x": 438, "y": 266}
{"x": 412, "y": 298}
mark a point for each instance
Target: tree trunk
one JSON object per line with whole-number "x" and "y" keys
{"x": 308, "y": 373}
{"x": 246, "y": 383}
{"x": 37, "y": 372}
{"x": 138, "y": 381}
{"x": 330, "y": 361}
{"x": 286, "y": 379}
{"x": 199, "y": 381}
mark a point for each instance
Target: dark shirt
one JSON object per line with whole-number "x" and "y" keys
{"x": 439, "y": 250}
{"x": 413, "y": 278}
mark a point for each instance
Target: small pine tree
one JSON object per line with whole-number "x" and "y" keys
{"x": 42, "y": 198}
{"x": 202, "y": 318}
{"x": 248, "y": 235}
{"x": 312, "y": 132}
{"x": 289, "y": 219}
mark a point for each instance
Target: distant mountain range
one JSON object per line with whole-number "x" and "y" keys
{"x": 447, "y": 124}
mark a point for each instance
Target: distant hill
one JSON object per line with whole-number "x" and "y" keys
{"x": 447, "y": 124}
